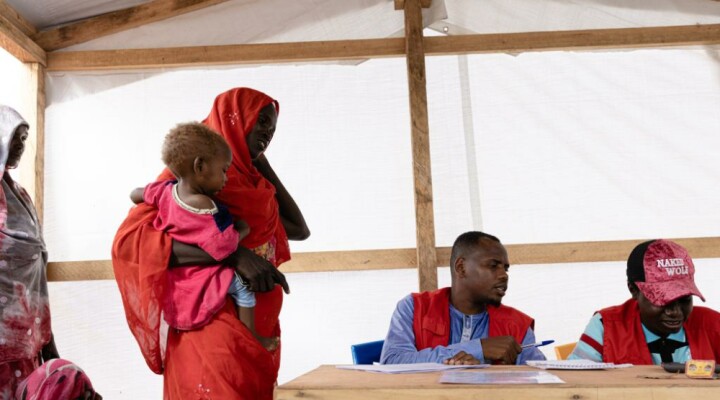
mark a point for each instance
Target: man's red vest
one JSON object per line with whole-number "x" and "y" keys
{"x": 431, "y": 320}
{"x": 624, "y": 340}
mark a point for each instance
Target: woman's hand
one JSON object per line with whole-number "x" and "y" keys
{"x": 259, "y": 273}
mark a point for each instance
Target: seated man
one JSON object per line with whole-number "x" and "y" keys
{"x": 658, "y": 324}
{"x": 463, "y": 324}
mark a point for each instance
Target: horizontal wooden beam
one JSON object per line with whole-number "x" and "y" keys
{"x": 19, "y": 44}
{"x": 361, "y": 260}
{"x": 16, "y": 19}
{"x": 594, "y": 39}
{"x": 376, "y": 48}
{"x": 225, "y": 55}
{"x": 400, "y": 4}
{"x": 117, "y": 21}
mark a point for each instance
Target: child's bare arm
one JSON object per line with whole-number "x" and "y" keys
{"x": 137, "y": 195}
{"x": 242, "y": 228}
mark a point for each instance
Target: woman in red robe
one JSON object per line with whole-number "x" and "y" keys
{"x": 221, "y": 360}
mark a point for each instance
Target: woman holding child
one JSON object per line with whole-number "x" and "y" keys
{"x": 222, "y": 359}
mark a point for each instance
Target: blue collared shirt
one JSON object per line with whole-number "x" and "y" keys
{"x": 465, "y": 334}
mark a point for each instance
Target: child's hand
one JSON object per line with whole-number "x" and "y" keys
{"x": 242, "y": 228}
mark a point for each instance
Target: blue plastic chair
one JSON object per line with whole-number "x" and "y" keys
{"x": 366, "y": 353}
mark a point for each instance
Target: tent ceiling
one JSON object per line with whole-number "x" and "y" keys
{"x": 47, "y": 13}
{"x": 270, "y": 21}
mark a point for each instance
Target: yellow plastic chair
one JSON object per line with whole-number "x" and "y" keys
{"x": 563, "y": 351}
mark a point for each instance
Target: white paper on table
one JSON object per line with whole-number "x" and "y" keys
{"x": 574, "y": 364}
{"x": 408, "y": 368}
{"x": 500, "y": 377}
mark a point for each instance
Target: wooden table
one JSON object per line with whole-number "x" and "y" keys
{"x": 637, "y": 383}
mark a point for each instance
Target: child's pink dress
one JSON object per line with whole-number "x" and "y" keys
{"x": 194, "y": 293}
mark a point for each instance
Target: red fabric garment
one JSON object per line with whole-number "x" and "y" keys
{"x": 221, "y": 360}
{"x": 431, "y": 320}
{"x": 194, "y": 292}
{"x": 221, "y": 356}
{"x": 624, "y": 339}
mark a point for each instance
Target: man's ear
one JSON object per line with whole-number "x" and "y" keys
{"x": 459, "y": 267}
{"x": 632, "y": 287}
{"x": 198, "y": 165}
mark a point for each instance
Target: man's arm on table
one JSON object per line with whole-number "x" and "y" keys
{"x": 530, "y": 353}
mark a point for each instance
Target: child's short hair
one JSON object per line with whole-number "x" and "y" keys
{"x": 187, "y": 141}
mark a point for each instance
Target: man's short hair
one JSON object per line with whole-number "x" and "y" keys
{"x": 465, "y": 242}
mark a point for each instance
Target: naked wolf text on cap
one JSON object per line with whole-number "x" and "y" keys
{"x": 663, "y": 271}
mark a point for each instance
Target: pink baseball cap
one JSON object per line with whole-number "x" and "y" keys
{"x": 663, "y": 271}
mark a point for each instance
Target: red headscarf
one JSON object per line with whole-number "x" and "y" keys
{"x": 247, "y": 194}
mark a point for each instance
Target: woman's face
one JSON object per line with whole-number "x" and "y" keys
{"x": 262, "y": 133}
{"x": 17, "y": 146}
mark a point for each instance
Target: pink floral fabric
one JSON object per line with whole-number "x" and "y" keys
{"x": 57, "y": 379}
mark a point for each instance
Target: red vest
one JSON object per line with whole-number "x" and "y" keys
{"x": 431, "y": 320}
{"x": 624, "y": 340}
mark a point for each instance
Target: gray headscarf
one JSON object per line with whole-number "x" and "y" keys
{"x": 10, "y": 120}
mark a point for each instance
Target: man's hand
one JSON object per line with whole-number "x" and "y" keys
{"x": 501, "y": 348}
{"x": 462, "y": 358}
{"x": 260, "y": 274}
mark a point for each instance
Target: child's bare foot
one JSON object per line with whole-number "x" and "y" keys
{"x": 269, "y": 343}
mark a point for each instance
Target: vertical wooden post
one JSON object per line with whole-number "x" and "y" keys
{"x": 32, "y": 167}
{"x": 424, "y": 217}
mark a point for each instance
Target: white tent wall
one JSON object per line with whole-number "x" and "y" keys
{"x": 14, "y": 78}
{"x": 568, "y": 147}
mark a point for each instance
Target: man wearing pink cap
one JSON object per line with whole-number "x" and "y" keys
{"x": 658, "y": 324}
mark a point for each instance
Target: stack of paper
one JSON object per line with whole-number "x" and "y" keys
{"x": 500, "y": 377}
{"x": 574, "y": 364}
{"x": 408, "y": 368}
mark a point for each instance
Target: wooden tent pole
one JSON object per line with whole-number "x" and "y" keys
{"x": 37, "y": 77}
{"x": 424, "y": 217}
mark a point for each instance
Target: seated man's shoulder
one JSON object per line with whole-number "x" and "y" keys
{"x": 705, "y": 314}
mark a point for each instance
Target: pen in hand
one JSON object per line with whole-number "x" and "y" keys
{"x": 538, "y": 344}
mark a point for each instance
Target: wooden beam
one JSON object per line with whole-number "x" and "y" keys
{"x": 596, "y": 39}
{"x": 19, "y": 44}
{"x": 224, "y": 55}
{"x": 618, "y": 250}
{"x": 16, "y": 19}
{"x": 420, "y": 141}
{"x": 38, "y": 76}
{"x": 117, "y": 21}
{"x": 400, "y": 4}
{"x": 370, "y": 260}
{"x": 692, "y": 35}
